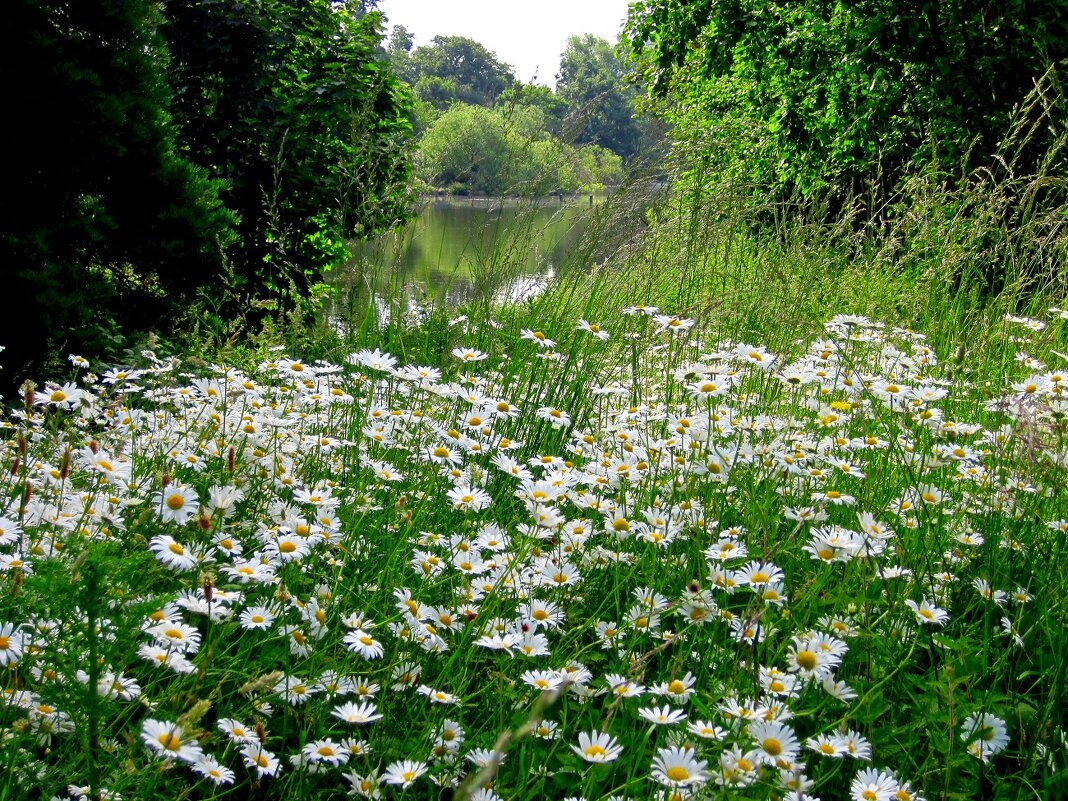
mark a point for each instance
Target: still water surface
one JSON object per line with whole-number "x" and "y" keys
{"x": 460, "y": 250}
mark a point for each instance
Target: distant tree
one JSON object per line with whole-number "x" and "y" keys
{"x": 552, "y": 107}
{"x": 467, "y": 150}
{"x": 401, "y": 42}
{"x": 477, "y": 74}
{"x": 591, "y": 83}
{"x": 106, "y": 229}
{"x": 473, "y": 150}
{"x": 291, "y": 105}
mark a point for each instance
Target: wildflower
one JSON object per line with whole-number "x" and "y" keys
{"x": 928, "y": 613}
{"x": 558, "y": 418}
{"x": 597, "y": 747}
{"x": 662, "y": 716}
{"x": 705, "y": 730}
{"x": 177, "y": 635}
{"x": 985, "y": 734}
{"x": 404, "y": 773}
{"x": 828, "y": 745}
{"x": 873, "y": 785}
{"x": 177, "y": 503}
{"x": 171, "y": 553}
{"x": 673, "y": 323}
{"x": 678, "y": 767}
{"x": 543, "y": 680}
{"x": 164, "y": 739}
{"x": 325, "y": 750}
{"x": 593, "y": 328}
{"x": 362, "y": 643}
{"x": 538, "y": 338}
{"x": 373, "y": 359}
{"x": 10, "y": 644}
{"x": 468, "y": 499}
{"x": 469, "y": 354}
{"x": 256, "y": 617}
{"x": 775, "y": 740}
{"x": 59, "y": 397}
{"x": 757, "y": 574}
{"x": 260, "y": 760}
{"x": 678, "y": 690}
{"x": 856, "y": 746}
{"x": 437, "y": 696}
{"x": 811, "y": 658}
{"x": 623, "y": 687}
{"x": 213, "y": 770}
{"x": 237, "y": 732}
{"x": 363, "y": 712}
{"x": 365, "y": 786}
{"x": 293, "y": 690}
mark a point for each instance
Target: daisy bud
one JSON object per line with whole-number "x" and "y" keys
{"x": 29, "y": 393}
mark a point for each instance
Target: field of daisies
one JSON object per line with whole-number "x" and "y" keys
{"x": 623, "y": 559}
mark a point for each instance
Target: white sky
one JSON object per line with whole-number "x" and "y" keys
{"x": 529, "y": 35}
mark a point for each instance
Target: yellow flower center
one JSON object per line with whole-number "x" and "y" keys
{"x": 677, "y": 773}
{"x": 806, "y": 660}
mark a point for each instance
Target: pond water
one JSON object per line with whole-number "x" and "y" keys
{"x": 458, "y": 250}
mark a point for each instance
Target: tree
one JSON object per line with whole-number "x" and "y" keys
{"x": 591, "y": 83}
{"x": 847, "y": 97}
{"x": 291, "y": 105}
{"x": 480, "y": 151}
{"x": 108, "y": 230}
{"x": 552, "y": 107}
{"x": 476, "y": 73}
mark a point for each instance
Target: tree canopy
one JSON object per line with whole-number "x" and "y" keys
{"x": 108, "y": 227}
{"x": 450, "y": 69}
{"x": 849, "y": 96}
{"x": 291, "y": 105}
{"x": 591, "y": 83}
{"x": 228, "y": 146}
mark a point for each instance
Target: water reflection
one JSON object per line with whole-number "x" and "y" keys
{"x": 461, "y": 250}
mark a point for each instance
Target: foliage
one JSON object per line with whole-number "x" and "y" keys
{"x": 452, "y": 69}
{"x": 844, "y": 98}
{"x": 292, "y": 106}
{"x": 550, "y": 104}
{"x": 107, "y": 229}
{"x": 591, "y": 81}
{"x": 480, "y": 151}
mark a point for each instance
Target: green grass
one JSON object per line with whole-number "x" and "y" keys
{"x": 384, "y": 549}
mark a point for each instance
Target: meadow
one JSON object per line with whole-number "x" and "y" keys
{"x": 770, "y": 537}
